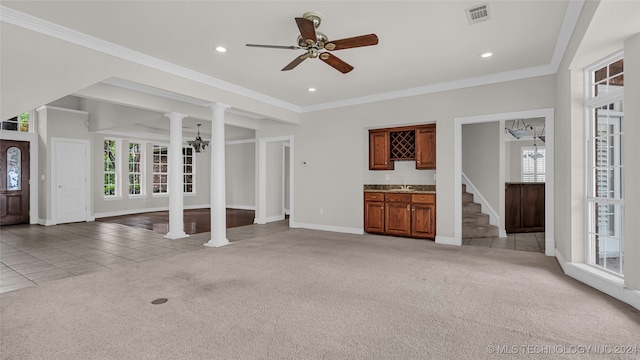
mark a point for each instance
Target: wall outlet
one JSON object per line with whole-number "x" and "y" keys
{"x": 321, "y": 211}
{"x": 386, "y": 177}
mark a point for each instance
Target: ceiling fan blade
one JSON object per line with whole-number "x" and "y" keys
{"x": 274, "y": 46}
{"x": 335, "y": 62}
{"x": 296, "y": 62}
{"x": 352, "y": 42}
{"x": 307, "y": 30}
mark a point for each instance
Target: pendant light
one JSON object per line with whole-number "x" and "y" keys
{"x": 198, "y": 144}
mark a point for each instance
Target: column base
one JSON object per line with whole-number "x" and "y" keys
{"x": 217, "y": 243}
{"x": 175, "y": 236}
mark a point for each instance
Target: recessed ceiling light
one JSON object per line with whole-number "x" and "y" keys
{"x": 486, "y": 55}
{"x": 221, "y": 49}
{"x": 311, "y": 89}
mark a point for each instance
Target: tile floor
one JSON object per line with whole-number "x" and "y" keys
{"x": 521, "y": 242}
{"x": 34, "y": 254}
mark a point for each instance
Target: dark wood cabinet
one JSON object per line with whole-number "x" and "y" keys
{"x": 403, "y": 143}
{"x": 400, "y": 214}
{"x": 379, "y": 150}
{"x": 423, "y": 215}
{"x": 426, "y": 147}
{"x": 524, "y": 207}
{"x": 374, "y": 213}
{"x": 397, "y": 214}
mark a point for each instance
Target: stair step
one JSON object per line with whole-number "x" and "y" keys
{"x": 475, "y": 219}
{"x": 468, "y": 208}
{"x": 467, "y": 197}
{"x": 479, "y": 231}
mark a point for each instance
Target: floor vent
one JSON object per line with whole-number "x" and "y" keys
{"x": 478, "y": 14}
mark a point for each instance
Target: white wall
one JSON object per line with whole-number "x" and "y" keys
{"x": 274, "y": 180}
{"x": 481, "y": 159}
{"x": 240, "y": 175}
{"x": 335, "y": 146}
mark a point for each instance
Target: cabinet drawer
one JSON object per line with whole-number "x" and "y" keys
{"x": 371, "y": 196}
{"x": 397, "y": 197}
{"x": 423, "y": 198}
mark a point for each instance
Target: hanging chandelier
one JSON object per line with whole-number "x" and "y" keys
{"x": 535, "y": 155}
{"x": 517, "y": 130}
{"x": 198, "y": 144}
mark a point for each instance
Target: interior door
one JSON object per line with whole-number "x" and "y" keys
{"x": 14, "y": 182}
{"x": 70, "y": 184}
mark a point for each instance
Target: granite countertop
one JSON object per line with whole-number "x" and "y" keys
{"x": 395, "y": 188}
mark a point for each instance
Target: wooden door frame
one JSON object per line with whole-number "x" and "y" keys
{"x": 34, "y": 176}
{"x": 52, "y": 182}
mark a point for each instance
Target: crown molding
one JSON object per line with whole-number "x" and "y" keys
{"x": 572, "y": 14}
{"x": 48, "y": 28}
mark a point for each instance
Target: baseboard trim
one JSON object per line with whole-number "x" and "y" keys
{"x": 145, "y": 210}
{"x": 600, "y": 280}
{"x": 502, "y": 233}
{"x": 45, "y": 222}
{"x": 339, "y": 229}
{"x": 241, "y": 207}
{"x": 447, "y": 240}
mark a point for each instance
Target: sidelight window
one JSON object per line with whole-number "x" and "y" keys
{"x": 605, "y": 198}
{"x": 160, "y": 169}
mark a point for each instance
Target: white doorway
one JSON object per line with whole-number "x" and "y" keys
{"x": 70, "y": 180}
{"x": 548, "y": 115}
{"x": 271, "y": 179}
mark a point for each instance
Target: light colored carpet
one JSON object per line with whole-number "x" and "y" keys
{"x": 304, "y": 294}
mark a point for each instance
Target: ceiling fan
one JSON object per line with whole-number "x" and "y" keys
{"x": 313, "y": 42}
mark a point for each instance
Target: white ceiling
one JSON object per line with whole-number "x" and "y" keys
{"x": 422, "y": 43}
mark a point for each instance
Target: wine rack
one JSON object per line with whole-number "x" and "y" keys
{"x": 403, "y": 145}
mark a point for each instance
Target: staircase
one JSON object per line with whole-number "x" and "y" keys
{"x": 475, "y": 224}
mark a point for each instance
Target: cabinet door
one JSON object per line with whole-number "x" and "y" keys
{"x": 532, "y": 205}
{"x": 379, "y": 150}
{"x": 374, "y": 217}
{"x": 397, "y": 218}
{"x": 423, "y": 220}
{"x": 512, "y": 218}
{"x": 426, "y": 147}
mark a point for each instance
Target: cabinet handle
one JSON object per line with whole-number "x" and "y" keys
{"x": 408, "y": 207}
{"x": 418, "y": 161}
{"x": 385, "y": 163}
{"x": 381, "y": 207}
{"x": 413, "y": 209}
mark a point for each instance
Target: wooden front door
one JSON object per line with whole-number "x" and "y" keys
{"x": 14, "y": 182}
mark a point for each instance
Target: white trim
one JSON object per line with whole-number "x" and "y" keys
{"x": 548, "y": 114}
{"x": 44, "y": 222}
{"x": 339, "y": 229}
{"x": 241, "y": 207}
{"x": 448, "y": 240}
{"x": 36, "y": 24}
{"x": 238, "y": 142}
{"x": 601, "y": 280}
{"x": 50, "y": 107}
{"x": 144, "y": 210}
{"x": 261, "y": 212}
{"x": 34, "y": 175}
{"x": 54, "y": 30}
{"x": 494, "y": 218}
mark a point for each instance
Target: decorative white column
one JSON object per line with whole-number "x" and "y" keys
{"x": 176, "y": 175}
{"x": 218, "y": 187}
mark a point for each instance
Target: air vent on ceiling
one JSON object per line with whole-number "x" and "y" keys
{"x": 478, "y": 14}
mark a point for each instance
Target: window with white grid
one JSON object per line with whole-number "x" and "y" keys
{"x": 110, "y": 168}
{"x": 160, "y": 169}
{"x": 136, "y": 169}
{"x": 188, "y": 164}
{"x": 605, "y": 199}
{"x": 534, "y": 166}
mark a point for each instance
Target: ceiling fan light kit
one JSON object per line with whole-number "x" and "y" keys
{"x": 314, "y": 42}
